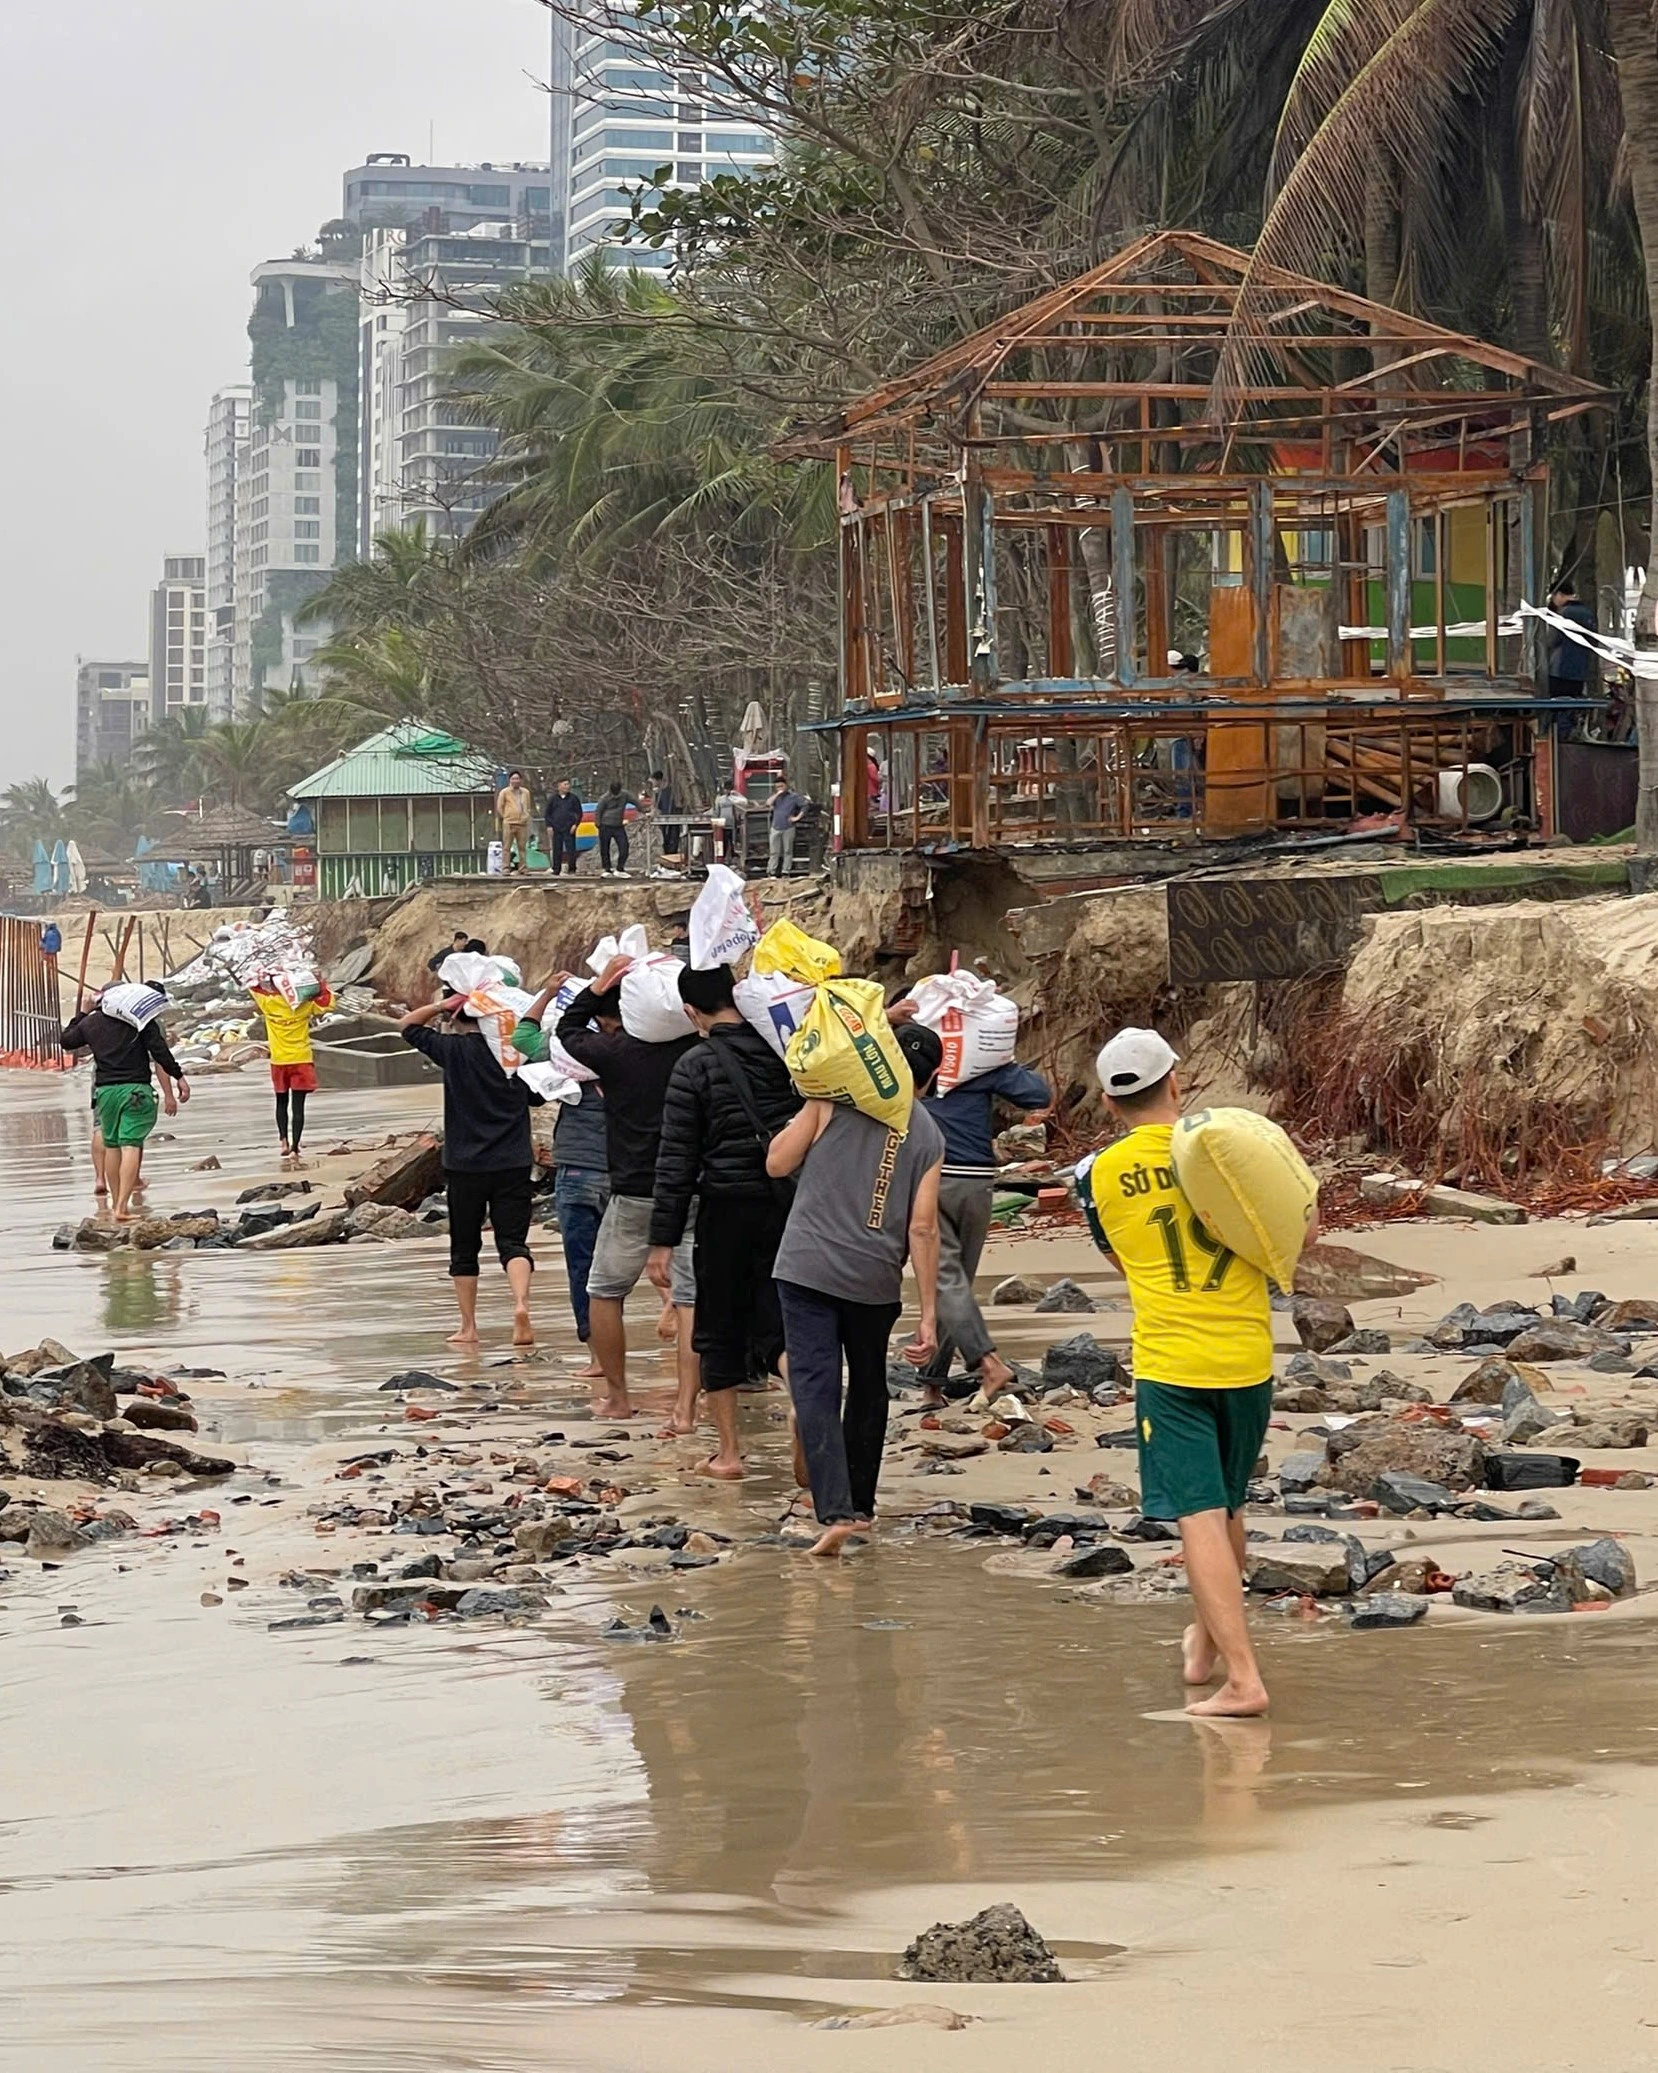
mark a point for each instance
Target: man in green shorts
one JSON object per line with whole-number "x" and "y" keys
{"x": 1202, "y": 1360}
{"x": 123, "y": 1092}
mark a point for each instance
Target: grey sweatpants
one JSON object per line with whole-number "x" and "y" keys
{"x": 963, "y": 1226}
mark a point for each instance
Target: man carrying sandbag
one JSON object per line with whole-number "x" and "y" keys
{"x": 1202, "y": 1360}
{"x": 633, "y": 1076}
{"x": 122, "y": 1029}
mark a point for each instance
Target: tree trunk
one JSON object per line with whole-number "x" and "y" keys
{"x": 1635, "y": 47}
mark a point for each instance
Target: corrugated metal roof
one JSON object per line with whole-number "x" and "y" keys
{"x": 401, "y": 762}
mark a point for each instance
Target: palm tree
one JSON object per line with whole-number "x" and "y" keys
{"x": 111, "y": 806}
{"x": 31, "y": 812}
{"x": 168, "y": 758}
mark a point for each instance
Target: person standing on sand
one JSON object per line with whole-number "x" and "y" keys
{"x": 513, "y": 806}
{"x": 488, "y": 1161}
{"x": 564, "y": 812}
{"x": 633, "y": 1077}
{"x": 123, "y": 1092}
{"x": 610, "y": 817}
{"x": 293, "y": 1067}
{"x": 727, "y": 1098}
{"x": 1202, "y": 1360}
{"x": 865, "y": 1198}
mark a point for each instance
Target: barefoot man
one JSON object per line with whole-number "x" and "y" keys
{"x": 488, "y": 1160}
{"x": 125, "y": 1049}
{"x": 1202, "y": 1360}
{"x": 727, "y": 1099}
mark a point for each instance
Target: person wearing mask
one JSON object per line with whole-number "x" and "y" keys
{"x": 1571, "y": 664}
{"x": 611, "y": 819}
{"x": 633, "y": 1078}
{"x": 124, "y": 1060}
{"x": 787, "y": 811}
{"x": 564, "y": 811}
{"x": 727, "y": 1098}
{"x": 967, "y": 1118}
{"x": 865, "y": 1199}
{"x": 513, "y": 806}
{"x": 488, "y": 1160}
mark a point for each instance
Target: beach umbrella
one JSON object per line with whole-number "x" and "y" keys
{"x": 60, "y": 868}
{"x": 43, "y": 869}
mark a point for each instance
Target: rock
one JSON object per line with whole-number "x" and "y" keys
{"x": 1581, "y": 1308}
{"x": 1535, "y": 1508}
{"x": 404, "y": 1177}
{"x": 1300, "y": 1471}
{"x": 1064, "y": 1295}
{"x": 1485, "y": 1383}
{"x": 952, "y": 1446}
{"x": 1375, "y": 1446}
{"x": 79, "y": 1386}
{"x": 150, "y": 1416}
{"x": 1320, "y": 1321}
{"x": 1363, "y": 1342}
{"x": 1502, "y": 1323}
{"x": 1632, "y": 1479}
{"x": 1526, "y": 1381}
{"x": 1608, "y": 1562}
{"x": 93, "y": 1236}
{"x": 1298, "y": 1396}
{"x": 1003, "y": 1518}
{"x": 421, "y": 1566}
{"x": 478, "y": 1604}
{"x": 1104, "y": 1560}
{"x": 1383, "y": 1189}
{"x": 657, "y": 1628}
{"x": 1513, "y": 1587}
{"x": 540, "y": 1537}
{"x": 1315, "y": 1573}
{"x": 139, "y": 1449}
{"x": 1609, "y": 1431}
{"x": 1634, "y": 1314}
{"x": 330, "y": 1228}
{"x": 16, "y": 1522}
{"x": 912, "y": 2013}
{"x": 1611, "y": 1363}
{"x": 208, "y": 1165}
{"x": 418, "y": 1378}
{"x": 1106, "y": 1491}
{"x": 383, "y": 1220}
{"x": 151, "y": 1233}
{"x": 1389, "y": 1609}
{"x": 1528, "y": 1420}
{"x": 1385, "y": 1387}
{"x": 56, "y": 1451}
{"x": 51, "y": 1533}
{"x": 273, "y": 1191}
{"x": 997, "y": 1945}
{"x": 1562, "y": 1340}
{"x": 1556, "y": 1268}
{"x": 1082, "y": 1362}
{"x": 1400, "y": 1493}
{"x": 1409, "y": 1578}
{"x": 1029, "y": 1438}
{"x": 1018, "y": 1288}
{"x": 1307, "y": 1368}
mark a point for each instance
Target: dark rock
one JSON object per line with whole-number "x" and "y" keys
{"x": 139, "y": 1449}
{"x": 254, "y": 1223}
{"x": 1149, "y": 1529}
{"x": 1026, "y": 1438}
{"x": 1018, "y": 1288}
{"x": 417, "y": 1378}
{"x": 1634, "y": 1314}
{"x": 1503, "y": 1323}
{"x": 58, "y": 1453}
{"x": 1313, "y": 1534}
{"x": 1528, "y": 1420}
{"x": 1611, "y": 1363}
{"x": 997, "y": 1945}
{"x": 1452, "y": 1329}
{"x": 273, "y": 1191}
{"x": 405, "y": 1177}
{"x": 1320, "y": 1573}
{"x": 1562, "y": 1340}
{"x": 151, "y": 1416}
{"x": 1103, "y": 1560}
{"x": 1485, "y": 1383}
{"x": 1481, "y": 1513}
{"x": 1064, "y": 1295}
{"x": 79, "y": 1386}
{"x": 421, "y": 1566}
{"x": 1003, "y": 1518}
{"x": 1385, "y": 1387}
{"x": 1364, "y": 1564}
{"x": 1320, "y": 1321}
{"x": 1127, "y": 1439}
{"x": 1082, "y": 1362}
{"x": 1530, "y": 1471}
{"x": 1054, "y": 1526}
{"x": 331, "y": 1228}
{"x": 1535, "y": 1508}
{"x": 657, "y": 1628}
{"x": 63, "y": 1238}
{"x": 1400, "y": 1493}
{"x": 1514, "y": 1587}
{"x": 1583, "y": 1306}
{"x": 1305, "y": 1504}
{"x": 1607, "y": 1562}
{"x": 685, "y": 1560}
{"x": 1312, "y": 1368}
{"x": 1300, "y": 1471}
{"x": 1379, "y": 1445}
{"x": 1362, "y": 1342}
{"x": 1114, "y": 1496}
{"x": 1389, "y": 1609}
{"x": 478, "y": 1604}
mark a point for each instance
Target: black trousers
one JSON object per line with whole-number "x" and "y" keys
{"x": 613, "y": 842}
{"x": 504, "y": 1198}
{"x": 737, "y": 1312}
{"x": 562, "y": 842}
{"x": 843, "y": 1446}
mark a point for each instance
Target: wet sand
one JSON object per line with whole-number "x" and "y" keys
{"x": 487, "y": 1848}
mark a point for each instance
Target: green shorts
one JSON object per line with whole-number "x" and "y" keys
{"x": 126, "y": 1115}
{"x": 1198, "y": 1447}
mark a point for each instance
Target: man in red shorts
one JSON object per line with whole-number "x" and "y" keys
{"x": 293, "y": 1068}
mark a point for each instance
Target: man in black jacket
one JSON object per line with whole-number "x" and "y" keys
{"x": 564, "y": 811}
{"x": 727, "y": 1097}
{"x": 123, "y": 1093}
{"x": 633, "y": 1077}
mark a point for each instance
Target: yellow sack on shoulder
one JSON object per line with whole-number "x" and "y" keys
{"x": 796, "y": 955}
{"x": 1248, "y": 1185}
{"x": 845, "y": 1051}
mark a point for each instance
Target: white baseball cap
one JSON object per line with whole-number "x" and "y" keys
{"x": 1134, "y": 1060}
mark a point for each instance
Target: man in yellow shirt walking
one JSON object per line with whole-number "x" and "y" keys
{"x": 1202, "y": 1360}
{"x": 293, "y": 1067}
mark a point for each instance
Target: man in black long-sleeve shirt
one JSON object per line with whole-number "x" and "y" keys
{"x": 123, "y": 1093}
{"x": 633, "y": 1077}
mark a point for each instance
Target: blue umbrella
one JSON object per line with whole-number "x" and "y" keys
{"x": 43, "y": 869}
{"x": 60, "y": 868}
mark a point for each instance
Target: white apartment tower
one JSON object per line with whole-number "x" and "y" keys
{"x": 178, "y": 636}
{"x": 226, "y": 444}
{"x": 619, "y": 114}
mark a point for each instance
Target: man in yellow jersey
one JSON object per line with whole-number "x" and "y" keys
{"x": 1202, "y": 1359}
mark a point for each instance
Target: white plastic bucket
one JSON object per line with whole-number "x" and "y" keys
{"x": 1479, "y": 784}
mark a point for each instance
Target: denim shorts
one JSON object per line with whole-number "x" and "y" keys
{"x": 624, "y": 1246}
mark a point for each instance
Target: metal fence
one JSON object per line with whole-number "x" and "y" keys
{"x": 31, "y": 1029}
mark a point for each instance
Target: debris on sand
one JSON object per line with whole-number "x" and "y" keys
{"x": 927, "y": 2013}
{"x": 997, "y": 1945}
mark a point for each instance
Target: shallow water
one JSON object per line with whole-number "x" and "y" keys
{"x": 413, "y": 1849}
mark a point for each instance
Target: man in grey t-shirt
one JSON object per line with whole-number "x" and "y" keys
{"x": 866, "y": 1198}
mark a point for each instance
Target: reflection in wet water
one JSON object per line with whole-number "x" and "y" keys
{"x": 411, "y": 1849}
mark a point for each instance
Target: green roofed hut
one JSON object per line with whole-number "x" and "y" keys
{"x": 407, "y": 804}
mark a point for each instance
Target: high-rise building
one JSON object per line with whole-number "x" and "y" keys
{"x": 226, "y": 445}
{"x": 620, "y": 114}
{"x": 112, "y": 712}
{"x": 296, "y": 483}
{"x": 424, "y": 293}
{"x": 178, "y": 636}
{"x": 390, "y": 192}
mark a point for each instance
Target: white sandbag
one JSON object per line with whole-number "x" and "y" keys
{"x": 551, "y": 1082}
{"x": 978, "y": 1027}
{"x": 297, "y": 984}
{"x": 130, "y": 1002}
{"x": 722, "y": 928}
{"x": 651, "y": 1007}
{"x": 632, "y": 942}
{"x": 774, "y": 1004}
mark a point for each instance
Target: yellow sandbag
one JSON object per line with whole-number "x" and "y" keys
{"x": 798, "y": 956}
{"x": 845, "y": 1051}
{"x": 1249, "y": 1186}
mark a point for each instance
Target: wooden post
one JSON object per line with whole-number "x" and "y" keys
{"x": 1260, "y": 575}
{"x": 1398, "y": 585}
{"x": 930, "y": 591}
{"x": 1061, "y": 649}
{"x": 86, "y": 952}
{"x": 1122, "y": 583}
{"x": 955, "y": 601}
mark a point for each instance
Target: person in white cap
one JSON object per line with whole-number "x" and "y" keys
{"x": 1202, "y": 1360}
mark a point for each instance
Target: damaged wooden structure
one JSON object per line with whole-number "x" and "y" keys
{"x": 1192, "y": 547}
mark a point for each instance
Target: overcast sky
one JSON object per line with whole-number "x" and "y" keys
{"x": 152, "y": 152}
